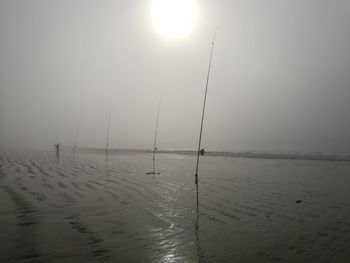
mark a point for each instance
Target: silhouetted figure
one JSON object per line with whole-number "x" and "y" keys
{"x": 202, "y": 152}
{"x": 57, "y": 146}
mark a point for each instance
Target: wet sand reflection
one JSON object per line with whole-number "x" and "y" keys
{"x": 90, "y": 210}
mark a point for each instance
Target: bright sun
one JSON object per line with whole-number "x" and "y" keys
{"x": 174, "y": 18}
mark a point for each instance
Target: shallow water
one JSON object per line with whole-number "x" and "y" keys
{"x": 88, "y": 210}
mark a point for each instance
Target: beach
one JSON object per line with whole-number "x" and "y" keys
{"x": 85, "y": 208}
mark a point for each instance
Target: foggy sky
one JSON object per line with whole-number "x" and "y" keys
{"x": 280, "y": 76}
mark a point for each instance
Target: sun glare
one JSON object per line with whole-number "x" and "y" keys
{"x": 174, "y": 18}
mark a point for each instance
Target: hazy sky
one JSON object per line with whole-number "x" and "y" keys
{"x": 280, "y": 75}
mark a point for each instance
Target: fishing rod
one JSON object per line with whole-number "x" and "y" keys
{"x": 155, "y": 141}
{"x": 201, "y": 151}
{"x": 57, "y": 145}
{"x": 75, "y": 141}
{"x": 107, "y": 140}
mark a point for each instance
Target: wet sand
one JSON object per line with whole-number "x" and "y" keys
{"x": 251, "y": 210}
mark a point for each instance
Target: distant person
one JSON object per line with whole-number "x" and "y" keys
{"x": 57, "y": 146}
{"x": 201, "y": 152}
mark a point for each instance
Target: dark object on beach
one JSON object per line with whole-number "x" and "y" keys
{"x": 153, "y": 173}
{"x": 298, "y": 201}
{"x": 201, "y": 152}
{"x": 57, "y": 146}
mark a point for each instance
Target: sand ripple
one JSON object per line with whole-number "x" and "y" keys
{"x": 87, "y": 210}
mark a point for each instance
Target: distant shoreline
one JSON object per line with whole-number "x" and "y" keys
{"x": 255, "y": 155}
